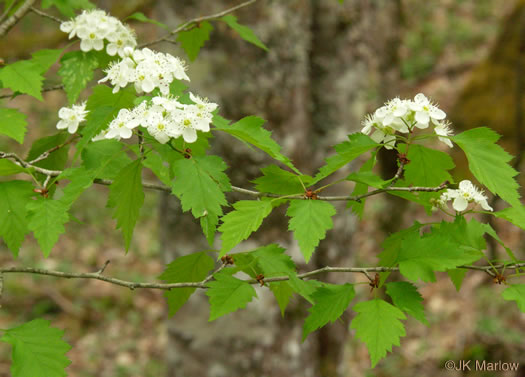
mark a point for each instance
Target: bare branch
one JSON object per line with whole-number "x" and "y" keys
{"x": 46, "y": 154}
{"x": 12, "y": 21}
{"x": 188, "y": 24}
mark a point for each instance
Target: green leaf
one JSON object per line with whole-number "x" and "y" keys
{"x": 378, "y": 325}
{"x": 427, "y": 167}
{"x": 282, "y": 292}
{"x": 304, "y": 288}
{"x": 57, "y": 159}
{"x": 80, "y": 180}
{"x": 515, "y": 292}
{"x": 76, "y": 70}
{"x": 347, "y": 151}
{"x": 250, "y": 130}
{"x": 514, "y": 215}
{"x": 406, "y": 297}
{"x": 139, "y": 16}
{"x": 13, "y": 124}
{"x": 246, "y": 218}
{"x": 38, "y": 350}
{"x": 367, "y": 178}
{"x": 13, "y": 214}
{"x": 45, "y": 58}
{"x": 8, "y": 167}
{"x": 200, "y": 184}
{"x": 209, "y": 224}
{"x": 46, "y": 219}
{"x": 23, "y": 77}
{"x": 309, "y": 220}
{"x": 489, "y": 162}
{"x": 330, "y": 302}
{"x": 126, "y": 195}
{"x": 361, "y": 188}
{"x": 192, "y": 40}
{"x": 105, "y": 157}
{"x": 245, "y": 32}
{"x": 278, "y": 181}
{"x": 67, "y": 7}
{"x": 269, "y": 260}
{"x": 156, "y": 164}
{"x": 457, "y": 275}
{"x": 227, "y": 294}
{"x": 103, "y": 106}
{"x": 188, "y": 268}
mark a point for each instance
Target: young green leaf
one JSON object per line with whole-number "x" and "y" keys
{"x": 245, "y": 219}
{"x": 139, "y": 16}
{"x": 57, "y": 159}
{"x": 192, "y": 40}
{"x": 489, "y": 162}
{"x": 269, "y": 261}
{"x": 406, "y": 297}
{"x": 106, "y": 158}
{"x": 200, "y": 184}
{"x": 347, "y": 151}
{"x": 515, "y": 292}
{"x": 38, "y": 350}
{"x": 514, "y": 215}
{"x": 227, "y": 294}
{"x": 427, "y": 167}
{"x": 283, "y": 293}
{"x": 368, "y": 178}
{"x": 22, "y": 76}
{"x": 361, "y": 188}
{"x": 13, "y": 220}
{"x": 330, "y": 302}
{"x": 309, "y": 220}
{"x": 13, "y": 124}
{"x": 378, "y": 325}
{"x": 76, "y": 70}
{"x": 45, "y": 58}
{"x": 250, "y": 130}
{"x": 304, "y": 288}
{"x": 245, "y": 32}
{"x": 156, "y": 164}
{"x": 126, "y": 195}
{"x": 80, "y": 180}
{"x": 67, "y": 7}
{"x": 188, "y": 268}
{"x": 8, "y": 167}
{"x": 278, "y": 181}
{"x": 46, "y": 219}
{"x": 209, "y": 224}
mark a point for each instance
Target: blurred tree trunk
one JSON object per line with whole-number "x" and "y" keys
{"x": 326, "y": 66}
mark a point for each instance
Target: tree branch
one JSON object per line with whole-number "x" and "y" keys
{"x": 45, "y": 15}
{"x": 188, "y": 24}
{"x": 51, "y": 88}
{"x": 163, "y": 286}
{"x": 12, "y": 21}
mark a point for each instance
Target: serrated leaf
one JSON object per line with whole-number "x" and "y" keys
{"x": 193, "y": 40}
{"x": 126, "y": 195}
{"x": 269, "y": 260}
{"x": 45, "y": 58}
{"x": 227, "y": 294}
{"x": 378, "y": 325}
{"x": 309, "y": 221}
{"x": 209, "y": 224}
{"x": 13, "y": 124}
{"x": 244, "y": 32}
{"x": 67, "y": 7}
{"x": 139, "y": 16}
{"x": 367, "y": 178}
{"x": 457, "y": 275}
{"x": 304, "y": 288}
{"x": 57, "y": 159}
{"x": 282, "y": 293}
{"x": 347, "y": 151}
{"x": 38, "y": 350}
{"x": 103, "y": 106}
{"x": 514, "y": 215}
{"x": 46, "y": 220}
{"x": 76, "y": 70}
{"x": 405, "y": 296}
{"x": 361, "y": 188}
{"x": 156, "y": 164}
{"x": 200, "y": 184}
{"x": 22, "y": 76}
{"x": 427, "y": 167}
{"x": 13, "y": 214}
{"x": 330, "y": 302}
{"x": 489, "y": 162}
{"x": 515, "y": 292}
{"x": 188, "y": 268}
{"x": 250, "y": 130}
{"x": 278, "y": 181}
{"x": 80, "y": 180}
{"x": 245, "y": 219}
{"x": 106, "y": 158}
{"x": 8, "y": 167}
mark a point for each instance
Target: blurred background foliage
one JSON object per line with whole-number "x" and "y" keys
{"x": 328, "y": 65}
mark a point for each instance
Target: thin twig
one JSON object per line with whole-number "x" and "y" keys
{"x": 44, "y": 14}
{"x": 7, "y": 11}
{"x": 187, "y": 25}
{"x": 210, "y": 276}
{"x": 12, "y": 21}
{"x": 103, "y": 268}
{"x": 46, "y": 154}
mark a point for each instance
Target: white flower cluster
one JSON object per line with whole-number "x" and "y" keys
{"x": 465, "y": 194}
{"x": 400, "y": 115}
{"x": 70, "y": 118}
{"x": 164, "y": 118}
{"x": 92, "y": 27}
{"x": 147, "y": 70}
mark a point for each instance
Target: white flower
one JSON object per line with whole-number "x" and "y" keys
{"x": 465, "y": 194}
{"x": 70, "y": 118}
{"x": 381, "y": 133}
{"x": 101, "y": 135}
{"x": 122, "y": 125}
{"x": 443, "y": 131}
{"x": 425, "y": 111}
